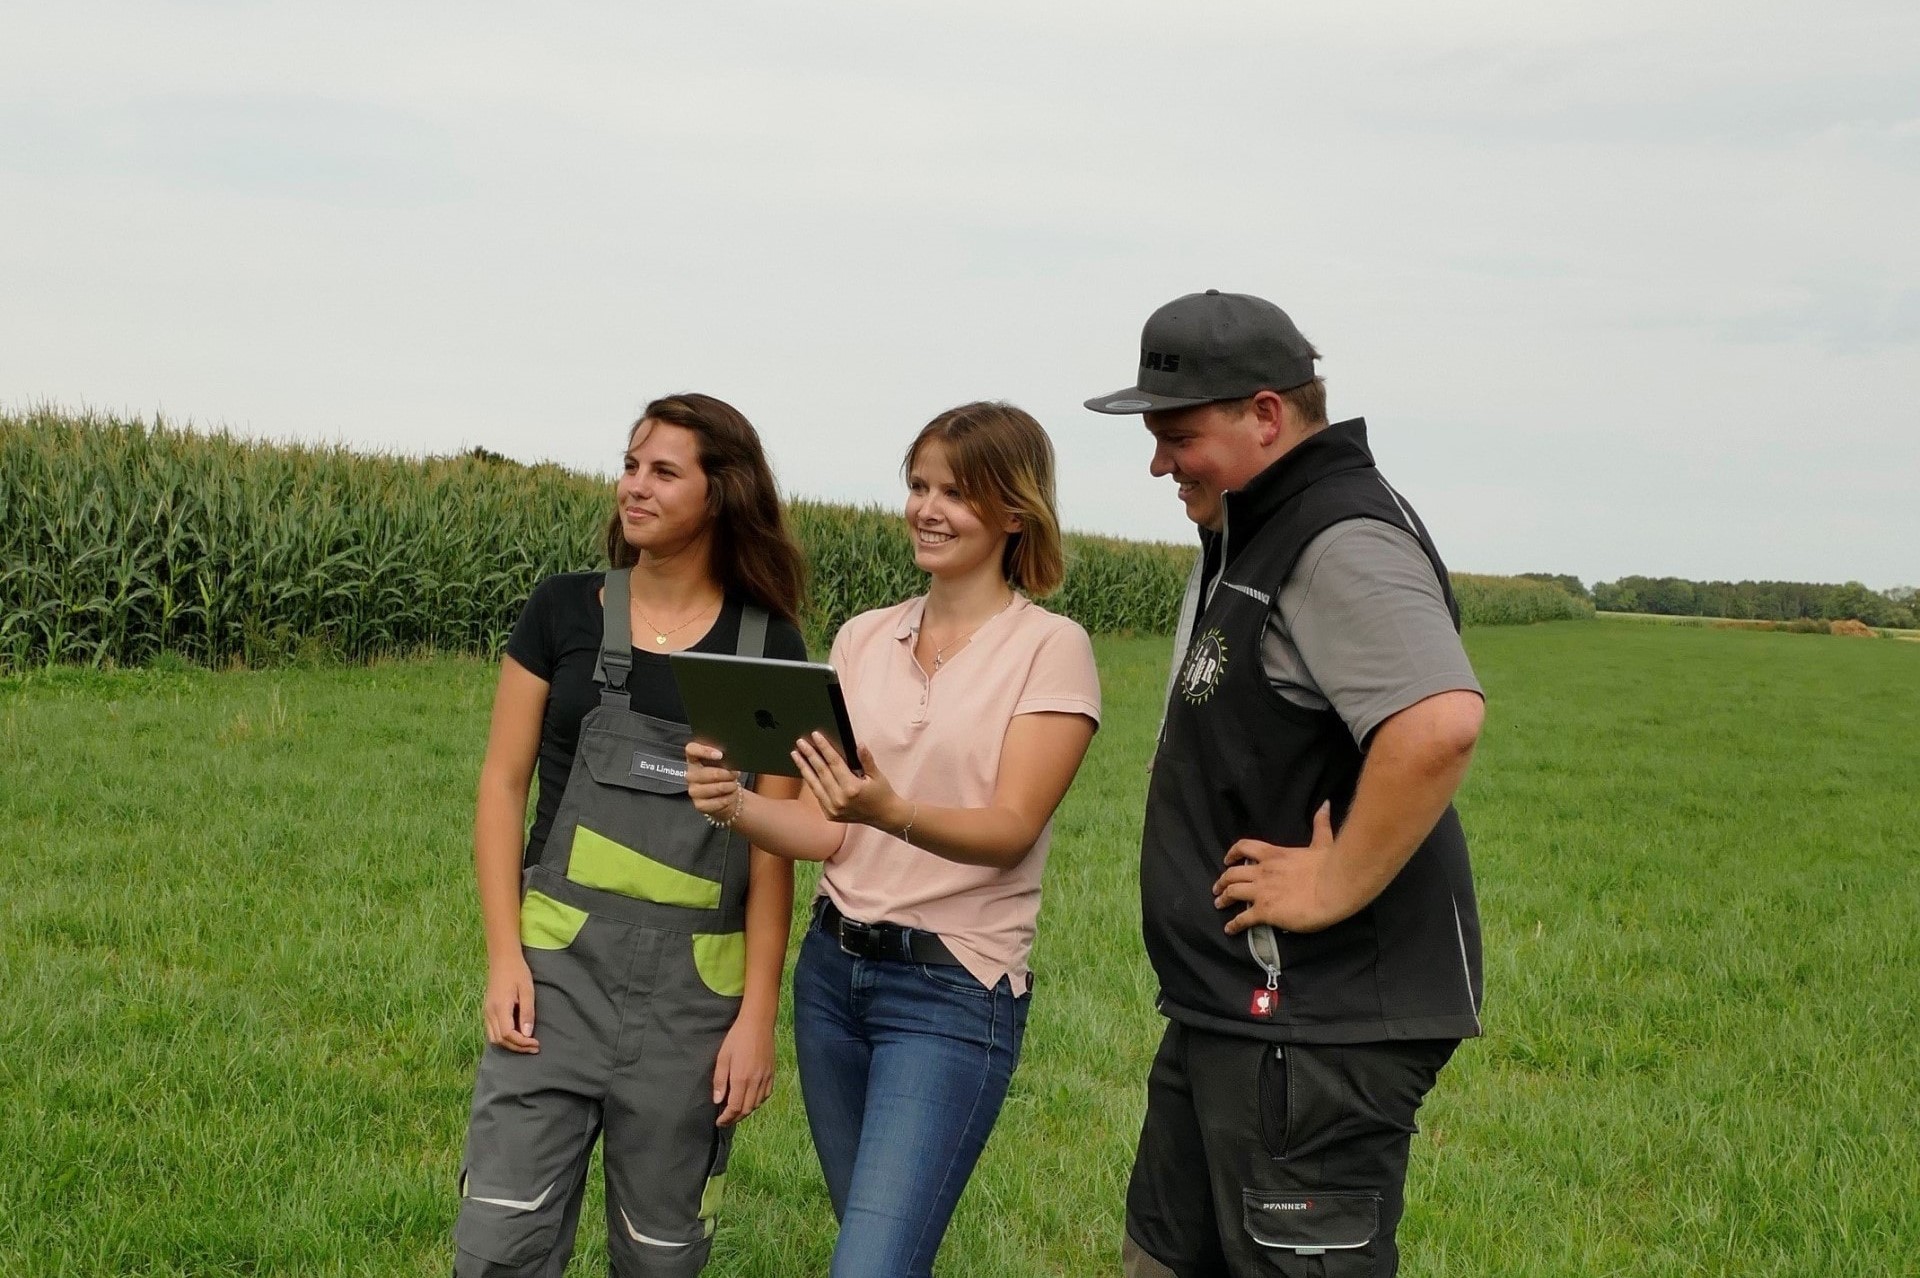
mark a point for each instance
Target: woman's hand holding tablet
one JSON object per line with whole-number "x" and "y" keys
{"x": 853, "y": 798}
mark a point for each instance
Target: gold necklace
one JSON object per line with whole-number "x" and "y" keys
{"x": 940, "y": 653}
{"x": 659, "y": 635}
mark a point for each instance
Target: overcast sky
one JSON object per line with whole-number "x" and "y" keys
{"x": 1623, "y": 287}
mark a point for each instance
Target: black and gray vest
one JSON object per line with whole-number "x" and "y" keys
{"x": 1237, "y": 760}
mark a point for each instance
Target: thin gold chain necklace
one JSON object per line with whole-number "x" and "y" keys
{"x": 940, "y": 653}
{"x": 659, "y": 635}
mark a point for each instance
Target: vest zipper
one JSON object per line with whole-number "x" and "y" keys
{"x": 1221, "y": 571}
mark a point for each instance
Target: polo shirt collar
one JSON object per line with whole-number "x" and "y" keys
{"x": 916, "y": 611}
{"x": 910, "y": 618}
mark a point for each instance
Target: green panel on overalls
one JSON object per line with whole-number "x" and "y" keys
{"x": 633, "y": 924}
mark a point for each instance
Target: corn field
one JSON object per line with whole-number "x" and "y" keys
{"x": 1515, "y": 601}
{"x": 860, "y": 558}
{"x": 122, "y": 540}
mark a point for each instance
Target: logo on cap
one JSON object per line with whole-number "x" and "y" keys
{"x": 1155, "y": 361}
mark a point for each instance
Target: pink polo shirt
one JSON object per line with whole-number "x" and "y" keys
{"x": 938, "y": 741}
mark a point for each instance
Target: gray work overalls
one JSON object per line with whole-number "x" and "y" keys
{"x": 633, "y": 925}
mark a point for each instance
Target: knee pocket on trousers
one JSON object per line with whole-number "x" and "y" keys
{"x": 1311, "y": 1233}
{"x": 496, "y": 1226}
{"x": 662, "y": 1241}
{"x": 641, "y": 1253}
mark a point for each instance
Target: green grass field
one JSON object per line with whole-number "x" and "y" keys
{"x": 241, "y": 963}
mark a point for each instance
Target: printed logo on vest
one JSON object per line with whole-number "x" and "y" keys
{"x": 1206, "y": 666}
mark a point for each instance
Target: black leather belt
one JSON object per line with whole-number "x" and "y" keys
{"x": 881, "y": 940}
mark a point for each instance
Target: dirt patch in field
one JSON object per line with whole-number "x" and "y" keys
{"x": 1798, "y": 626}
{"x": 1852, "y": 629}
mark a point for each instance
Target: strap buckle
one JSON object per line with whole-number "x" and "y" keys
{"x": 855, "y": 938}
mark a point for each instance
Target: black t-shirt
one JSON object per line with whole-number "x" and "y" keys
{"x": 558, "y": 639}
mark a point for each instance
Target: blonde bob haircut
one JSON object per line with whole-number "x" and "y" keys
{"x": 1003, "y": 462}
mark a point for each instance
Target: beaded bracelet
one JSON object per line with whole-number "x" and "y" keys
{"x": 739, "y": 802}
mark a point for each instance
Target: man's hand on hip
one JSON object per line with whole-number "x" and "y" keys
{"x": 1281, "y": 886}
{"x": 1415, "y": 762}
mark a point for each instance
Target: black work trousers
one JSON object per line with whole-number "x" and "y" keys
{"x": 1263, "y": 1158}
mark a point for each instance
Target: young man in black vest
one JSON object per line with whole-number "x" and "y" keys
{"x": 1305, "y": 892}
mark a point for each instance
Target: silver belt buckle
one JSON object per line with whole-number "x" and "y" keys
{"x": 848, "y": 928}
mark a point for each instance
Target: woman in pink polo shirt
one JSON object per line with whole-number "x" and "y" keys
{"x": 974, "y": 707}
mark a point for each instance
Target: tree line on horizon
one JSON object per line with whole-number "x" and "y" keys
{"x": 1898, "y": 608}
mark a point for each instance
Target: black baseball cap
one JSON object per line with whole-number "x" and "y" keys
{"x": 1211, "y": 346}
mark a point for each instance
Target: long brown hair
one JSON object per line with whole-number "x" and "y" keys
{"x": 1003, "y": 461}
{"x": 754, "y": 552}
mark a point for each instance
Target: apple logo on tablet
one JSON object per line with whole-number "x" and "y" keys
{"x": 764, "y": 719}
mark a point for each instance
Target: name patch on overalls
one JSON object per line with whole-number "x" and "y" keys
{"x": 649, "y": 765}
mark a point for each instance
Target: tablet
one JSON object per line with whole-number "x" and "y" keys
{"x": 755, "y": 708}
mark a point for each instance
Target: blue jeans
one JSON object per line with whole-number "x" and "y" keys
{"x": 903, "y": 1069}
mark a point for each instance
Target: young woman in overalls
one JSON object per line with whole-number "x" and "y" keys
{"x": 973, "y": 707}
{"x": 635, "y": 945}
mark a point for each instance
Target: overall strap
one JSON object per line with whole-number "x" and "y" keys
{"x": 751, "y": 643}
{"x": 615, "y": 662}
{"x": 753, "y": 632}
